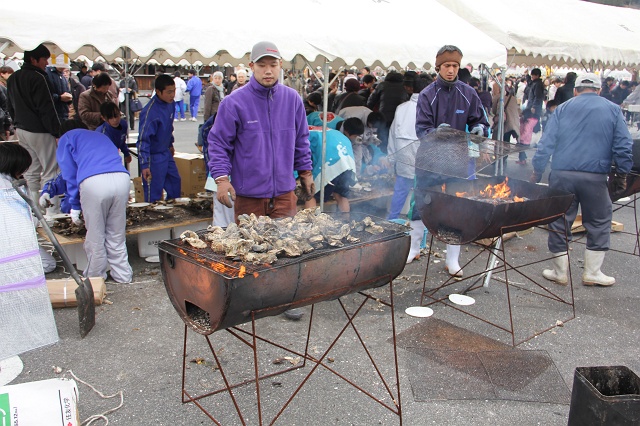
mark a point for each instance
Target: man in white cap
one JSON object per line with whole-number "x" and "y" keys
{"x": 583, "y": 137}
{"x": 260, "y": 136}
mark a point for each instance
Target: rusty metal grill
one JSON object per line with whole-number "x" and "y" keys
{"x": 211, "y": 292}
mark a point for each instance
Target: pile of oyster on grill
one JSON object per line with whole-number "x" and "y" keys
{"x": 262, "y": 240}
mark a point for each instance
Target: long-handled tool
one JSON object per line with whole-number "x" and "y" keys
{"x": 84, "y": 292}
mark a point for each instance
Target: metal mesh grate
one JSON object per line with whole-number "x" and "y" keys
{"x": 455, "y": 153}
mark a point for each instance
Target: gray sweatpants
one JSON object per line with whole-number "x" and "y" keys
{"x": 104, "y": 200}
{"x": 44, "y": 165}
{"x": 591, "y": 193}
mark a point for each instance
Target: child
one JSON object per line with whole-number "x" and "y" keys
{"x": 115, "y": 128}
{"x": 98, "y": 187}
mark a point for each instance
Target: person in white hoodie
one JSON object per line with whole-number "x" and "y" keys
{"x": 401, "y": 153}
{"x": 181, "y": 90}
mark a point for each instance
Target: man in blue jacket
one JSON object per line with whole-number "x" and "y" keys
{"x": 584, "y": 136}
{"x": 194, "y": 87}
{"x": 448, "y": 102}
{"x": 155, "y": 143}
{"x": 259, "y": 138}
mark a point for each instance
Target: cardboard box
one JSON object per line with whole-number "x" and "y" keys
{"x": 193, "y": 173}
{"x": 62, "y": 292}
{"x": 52, "y": 402}
{"x": 138, "y": 191}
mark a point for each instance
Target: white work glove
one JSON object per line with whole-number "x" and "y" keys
{"x": 45, "y": 200}
{"x": 478, "y": 130}
{"x": 443, "y": 125}
{"x": 75, "y": 217}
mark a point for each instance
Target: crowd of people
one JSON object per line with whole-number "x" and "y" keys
{"x": 263, "y": 141}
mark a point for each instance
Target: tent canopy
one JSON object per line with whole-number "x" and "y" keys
{"x": 557, "y": 32}
{"x": 355, "y": 32}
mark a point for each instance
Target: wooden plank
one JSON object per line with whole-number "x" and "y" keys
{"x": 578, "y": 228}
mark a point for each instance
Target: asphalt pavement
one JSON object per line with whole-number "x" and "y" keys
{"x": 137, "y": 345}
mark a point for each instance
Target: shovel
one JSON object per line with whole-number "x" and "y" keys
{"x": 84, "y": 292}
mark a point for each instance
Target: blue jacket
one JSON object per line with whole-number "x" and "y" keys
{"x": 83, "y": 153}
{"x": 339, "y": 155}
{"x": 58, "y": 186}
{"x": 458, "y": 106}
{"x": 585, "y": 134}
{"x": 155, "y": 131}
{"x": 259, "y": 138}
{"x": 194, "y": 86}
{"x": 118, "y": 135}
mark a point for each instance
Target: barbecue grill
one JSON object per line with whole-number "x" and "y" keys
{"x": 457, "y": 219}
{"x": 212, "y": 293}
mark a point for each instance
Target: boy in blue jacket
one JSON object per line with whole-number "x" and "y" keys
{"x": 115, "y": 128}
{"x": 155, "y": 143}
{"x": 194, "y": 87}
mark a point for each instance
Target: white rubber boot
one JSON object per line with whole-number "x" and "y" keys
{"x": 592, "y": 274}
{"x": 560, "y": 264}
{"x": 452, "y": 265}
{"x": 417, "y": 233}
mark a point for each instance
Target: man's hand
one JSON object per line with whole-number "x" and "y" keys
{"x": 66, "y": 97}
{"x": 127, "y": 159}
{"x": 75, "y": 217}
{"x": 306, "y": 182}
{"x": 226, "y": 193}
{"x": 618, "y": 185}
{"x": 477, "y": 130}
{"x": 45, "y": 200}
{"x": 172, "y": 150}
{"x": 146, "y": 175}
{"x": 536, "y": 177}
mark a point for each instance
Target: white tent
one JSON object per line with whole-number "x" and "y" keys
{"x": 557, "y": 32}
{"x": 354, "y": 32}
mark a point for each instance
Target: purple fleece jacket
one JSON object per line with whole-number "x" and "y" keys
{"x": 260, "y": 136}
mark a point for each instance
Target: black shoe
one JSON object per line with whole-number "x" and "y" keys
{"x": 294, "y": 314}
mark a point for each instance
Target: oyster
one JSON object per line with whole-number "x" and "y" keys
{"x": 192, "y": 239}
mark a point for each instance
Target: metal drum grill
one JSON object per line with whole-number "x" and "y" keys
{"x": 212, "y": 293}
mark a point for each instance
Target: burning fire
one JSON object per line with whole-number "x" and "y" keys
{"x": 499, "y": 191}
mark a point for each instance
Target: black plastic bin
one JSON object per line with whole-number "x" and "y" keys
{"x": 605, "y": 396}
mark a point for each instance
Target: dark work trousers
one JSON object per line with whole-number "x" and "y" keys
{"x": 591, "y": 193}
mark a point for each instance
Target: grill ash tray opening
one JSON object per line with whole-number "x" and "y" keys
{"x": 211, "y": 292}
{"x": 461, "y": 219}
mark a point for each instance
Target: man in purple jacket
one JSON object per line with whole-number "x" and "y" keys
{"x": 259, "y": 138}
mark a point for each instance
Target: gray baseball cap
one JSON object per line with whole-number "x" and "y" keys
{"x": 589, "y": 80}
{"x": 264, "y": 48}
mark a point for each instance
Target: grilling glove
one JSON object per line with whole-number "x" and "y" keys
{"x": 618, "y": 185}
{"x": 536, "y": 177}
{"x": 478, "y": 130}
{"x": 226, "y": 193}
{"x": 306, "y": 182}
{"x": 75, "y": 217}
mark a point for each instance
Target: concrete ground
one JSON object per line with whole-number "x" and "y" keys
{"x": 136, "y": 345}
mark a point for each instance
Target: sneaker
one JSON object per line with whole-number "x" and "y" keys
{"x": 194, "y": 119}
{"x": 294, "y": 314}
{"x": 175, "y": 119}
{"x": 522, "y": 162}
{"x": 183, "y": 119}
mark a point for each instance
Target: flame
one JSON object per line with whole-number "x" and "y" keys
{"x": 461, "y": 194}
{"x": 444, "y": 187}
{"x": 499, "y": 190}
{"x": 518, "y": 199}
{"x": 242, "y": 272}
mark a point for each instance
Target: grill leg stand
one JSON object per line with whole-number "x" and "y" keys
{"x": 497, "y": 252}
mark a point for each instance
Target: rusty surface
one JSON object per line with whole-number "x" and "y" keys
{"x": 212, "y": 293}
{"x": 459, "y": 220}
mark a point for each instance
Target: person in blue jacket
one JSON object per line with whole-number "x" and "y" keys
{"x": 194, "y": 87}
{"x": 98, "y": 187}
{"x": 582, "y": 138}
{"x": 115, "y": 128}
{"x": 56, "y": 186}
{"x": 155, "y": 143}
{"x": 447, "y": 102}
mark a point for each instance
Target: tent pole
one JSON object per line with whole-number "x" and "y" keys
{"x": 325, "y": 107}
